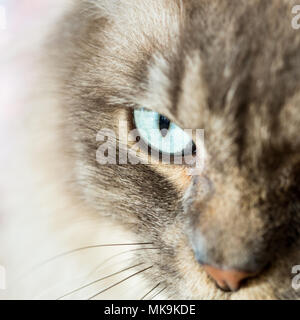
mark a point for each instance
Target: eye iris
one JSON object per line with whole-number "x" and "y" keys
{"x": 159, "y": 133}
{"x": 164, "y": 125}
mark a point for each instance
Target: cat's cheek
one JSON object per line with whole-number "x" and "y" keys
{"x": 178, "y": 175}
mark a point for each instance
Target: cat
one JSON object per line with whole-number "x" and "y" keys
{"x": 77, "y": 229}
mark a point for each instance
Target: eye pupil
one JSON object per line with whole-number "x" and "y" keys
{"x": 164, "y": 125}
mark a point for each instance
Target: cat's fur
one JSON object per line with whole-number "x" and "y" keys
{"x": 229, "y": 67}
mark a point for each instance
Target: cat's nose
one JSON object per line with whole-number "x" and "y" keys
{"x": 228, "y": 280}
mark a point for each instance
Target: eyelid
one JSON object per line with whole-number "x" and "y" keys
{"x": 168, "y": 115}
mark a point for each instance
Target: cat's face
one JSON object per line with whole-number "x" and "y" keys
{"x": 230, "y": 68}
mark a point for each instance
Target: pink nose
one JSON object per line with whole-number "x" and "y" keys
{"x": 227, "y": 279}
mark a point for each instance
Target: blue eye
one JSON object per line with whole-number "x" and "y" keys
{"x": 160, "y": 133}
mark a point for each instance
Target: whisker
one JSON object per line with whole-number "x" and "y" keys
{"x": 159, "y": 292}
{"x": 98, "y": 280}
{"x": 119, "y": 282}
{"x": 147, "y": 294}
{"x": 91, "y": 247}
{"x": 119, "y": 254}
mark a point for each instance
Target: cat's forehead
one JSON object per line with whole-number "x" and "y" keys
{"x": 240, "y": 54}
{"x": 236, "y": 64}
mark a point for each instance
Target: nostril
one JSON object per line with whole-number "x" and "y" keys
{"x": 227, "y": 280}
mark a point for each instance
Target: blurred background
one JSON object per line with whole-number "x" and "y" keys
{"x": 23, "y": 24}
